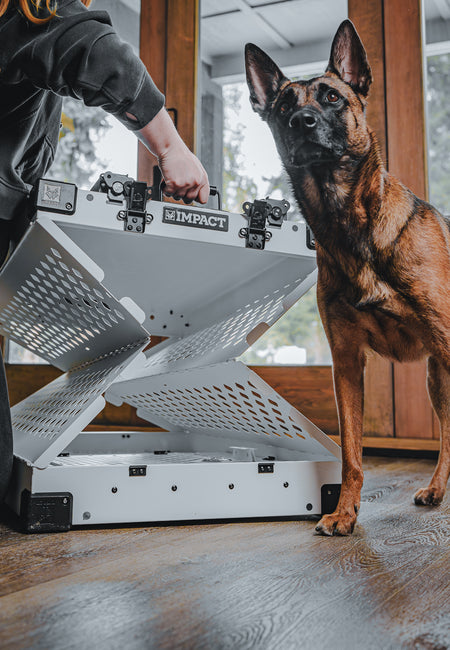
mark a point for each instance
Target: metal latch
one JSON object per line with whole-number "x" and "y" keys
{"x": 135, "y": 217}
{"x": 114, "y": 185}
{"x": 262, "y": 213}
{"x": 310, "y": 241}
{"x": 120, "y": 188}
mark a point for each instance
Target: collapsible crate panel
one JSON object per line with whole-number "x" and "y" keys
{"x": 83, "y": 293}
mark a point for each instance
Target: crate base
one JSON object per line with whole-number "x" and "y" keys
{"x": 162, "y": 485}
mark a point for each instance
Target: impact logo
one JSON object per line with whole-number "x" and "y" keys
{"x": 52, "y": 193}
{"x": 187, "y": 217}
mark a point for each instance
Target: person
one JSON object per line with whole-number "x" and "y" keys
{"x": 52, "y": 50}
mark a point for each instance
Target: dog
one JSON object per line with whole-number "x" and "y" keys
{"x": 383, "y": 255}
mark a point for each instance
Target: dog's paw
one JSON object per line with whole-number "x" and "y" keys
{"x": 338, "y": 523}
{"x": 428, "y": 496}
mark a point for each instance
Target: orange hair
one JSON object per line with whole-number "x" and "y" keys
{"x": 24, "y": 6}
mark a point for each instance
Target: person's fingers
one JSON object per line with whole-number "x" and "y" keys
{"x": 185, "y": 177}
{"x": 192, "y": 194}
{"x": 203, "y": 194}
{"x": 174, "y": 189}
{"x": 187, "y": 192}
{"x": 176, "y": 193}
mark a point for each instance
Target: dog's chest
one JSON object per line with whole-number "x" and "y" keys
{"x": 368, "y": 289}
{"x": 390, "y": 326}
{"x": 391, "y": 335}
{"x": 385, "y": 321}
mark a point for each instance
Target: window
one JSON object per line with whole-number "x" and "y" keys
{"x": 237, "y": 147}
{"x": 91, "y": 140}
{"x": 437, "y": 53}
{"x": 298, "y": 338}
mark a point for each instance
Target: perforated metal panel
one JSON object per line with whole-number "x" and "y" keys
{"x": 225, "y": 399}
{"x": 56, "y": 301}
{"x": 52, "y": 302}
{"x": 171, "y": 458}
{"x": 55, "y": 306}
{"x": 228, "y": 338}
{"x": 46, "y": 421}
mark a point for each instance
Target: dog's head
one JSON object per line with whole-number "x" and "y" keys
{"x": 322, "y": 120}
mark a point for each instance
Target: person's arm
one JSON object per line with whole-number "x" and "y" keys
{"x": 78, "y": 53}
{"x": 183, "y": 173}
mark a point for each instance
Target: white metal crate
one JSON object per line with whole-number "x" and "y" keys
{"x": 84, "y": 294}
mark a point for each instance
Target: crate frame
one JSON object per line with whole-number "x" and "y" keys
{"x": 64, "y": 295}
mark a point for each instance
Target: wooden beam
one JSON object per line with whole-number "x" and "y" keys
{"x": 182, "y": 64}
{"x": 405, "y": 93}
{"x": 368, "y": 20}
{"x": 407, "y": 161}
{"x": 153, "y": 54}
{"x": 396, "y": 444}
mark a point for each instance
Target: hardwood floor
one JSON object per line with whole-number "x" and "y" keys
{"x": 242, "y": 585}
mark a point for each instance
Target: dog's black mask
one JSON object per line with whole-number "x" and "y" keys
{"x": 317, "y": 121}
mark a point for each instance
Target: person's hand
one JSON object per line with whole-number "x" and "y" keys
{"x": 183, "y": 173}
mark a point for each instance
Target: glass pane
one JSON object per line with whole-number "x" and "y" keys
{"x": 15, "y": 353}
{"x": 437, "y": 52}
{"x": 92, "y": 141}
{"x": 237, "y": 148}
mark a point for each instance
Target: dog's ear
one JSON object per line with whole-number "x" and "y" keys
{"x": 264, "y": 79}
{"x": 348, "y": 59}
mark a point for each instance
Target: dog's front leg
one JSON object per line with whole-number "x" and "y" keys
{"x": 348, "y": 375}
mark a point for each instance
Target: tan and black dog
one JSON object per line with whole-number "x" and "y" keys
{"x": 383, "y": 254}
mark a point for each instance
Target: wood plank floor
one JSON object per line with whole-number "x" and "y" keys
{"x": 241, "y": 585}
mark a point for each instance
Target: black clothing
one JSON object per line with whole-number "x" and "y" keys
{"x": 6, "y": 441}
{"x": 77, "y": 53}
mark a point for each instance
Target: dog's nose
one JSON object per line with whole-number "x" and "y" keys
{"x": 306, "y": 119}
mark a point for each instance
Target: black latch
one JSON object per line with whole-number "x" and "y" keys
{"x": 114, "y": 185}
{"x": 310, "y": 241}
{"x": 262, "y": 213}
{"x": 120, "y": 188}
{"x": 135, "y": 216}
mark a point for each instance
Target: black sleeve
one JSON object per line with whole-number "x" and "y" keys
{"x": 78, "y": 53}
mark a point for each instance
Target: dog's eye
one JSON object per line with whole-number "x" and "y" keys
{"x": 332, "y": 97}
{"x": 284, "y": 108}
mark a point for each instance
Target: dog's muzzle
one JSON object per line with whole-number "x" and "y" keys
{"x": 306, "y": 119}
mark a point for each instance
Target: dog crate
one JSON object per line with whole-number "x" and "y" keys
{"x": 94, "y": 274}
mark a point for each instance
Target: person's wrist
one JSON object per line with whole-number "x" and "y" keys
{"x": 160, "y": 134}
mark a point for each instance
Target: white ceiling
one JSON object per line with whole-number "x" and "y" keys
{"x": 226, "y": 25}
{"x": 294, "y": 32}
{"x": 437, "y": 9}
